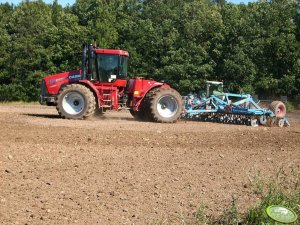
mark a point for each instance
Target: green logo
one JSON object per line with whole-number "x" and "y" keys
{"x": 281, "y": 214}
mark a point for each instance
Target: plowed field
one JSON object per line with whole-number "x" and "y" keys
{"x": 115, "y": 170}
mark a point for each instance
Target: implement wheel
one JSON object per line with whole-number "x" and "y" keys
{"x": 278, "y": 108}
{"x": 262, "y": 120}
{"x": 271, "y": 122}
{"x": 166, "y": 105}
{"x": 75, "y": 101}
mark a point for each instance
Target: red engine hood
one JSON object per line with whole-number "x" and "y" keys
{"x": 54, "y": 82}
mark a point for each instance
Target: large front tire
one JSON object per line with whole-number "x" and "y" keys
{"x": 75, "y": 101}
{"x": 166, "y": 105}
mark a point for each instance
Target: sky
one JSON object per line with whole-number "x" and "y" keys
{"x": 71, "y": 2}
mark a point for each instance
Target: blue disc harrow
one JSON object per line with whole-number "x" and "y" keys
{"x": 217, "y": 106}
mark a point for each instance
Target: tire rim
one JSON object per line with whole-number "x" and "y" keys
{"x": 167, "y": 106}
{"x": 73, "y": 103}
{"x": 280, "y": 111}
{"x": 263, "y": 120}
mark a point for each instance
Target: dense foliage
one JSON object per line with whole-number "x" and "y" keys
{"x": 253, "y": 48}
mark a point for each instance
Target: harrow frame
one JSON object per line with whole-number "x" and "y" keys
{"x": 220, "y": 107}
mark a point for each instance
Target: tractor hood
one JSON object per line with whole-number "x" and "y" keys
{"x": 54, "y": 82}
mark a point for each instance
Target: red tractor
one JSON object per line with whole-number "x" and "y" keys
{"x": 102, "y": 85}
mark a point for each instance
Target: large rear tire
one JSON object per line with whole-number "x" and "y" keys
{"x": 75, "y": 101}
{"x": 165, "y": 105}
{"x": 278, "y": 108}
{"x": 138, "y": 115}
{"x": 144, "y": 110}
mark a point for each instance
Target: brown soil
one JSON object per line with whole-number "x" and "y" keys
{"x": 115, "y": 170}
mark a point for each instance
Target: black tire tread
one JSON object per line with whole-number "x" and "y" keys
{"x": 152, "y": 105}
{"x": 88, "y": 95}
{"x": 144, "y": 110}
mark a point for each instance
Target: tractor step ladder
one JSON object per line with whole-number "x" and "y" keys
{"x": 108, "y": 103}
{"x": 107, "y": 100}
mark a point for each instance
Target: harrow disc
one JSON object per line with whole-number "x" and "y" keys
{"x": 254, "y": 122}
{"x": 280, "y": 122}
{"x": 271, "y": 122}
{"x": 263, "y": 120}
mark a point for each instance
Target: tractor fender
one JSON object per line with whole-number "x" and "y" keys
{"x": 87, "y": 84}
{"x": 92, "y": 87}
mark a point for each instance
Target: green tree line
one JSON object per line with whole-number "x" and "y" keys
{"x": 253, "y": 48}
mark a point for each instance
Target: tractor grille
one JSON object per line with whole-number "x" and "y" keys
{"x": 43, "y": 88}
{"x": 45, "y": 98}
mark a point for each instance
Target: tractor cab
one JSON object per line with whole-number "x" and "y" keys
{"x": 104, "y": 65}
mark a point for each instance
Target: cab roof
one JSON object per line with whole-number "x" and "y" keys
{"x": 112, "y": 52}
